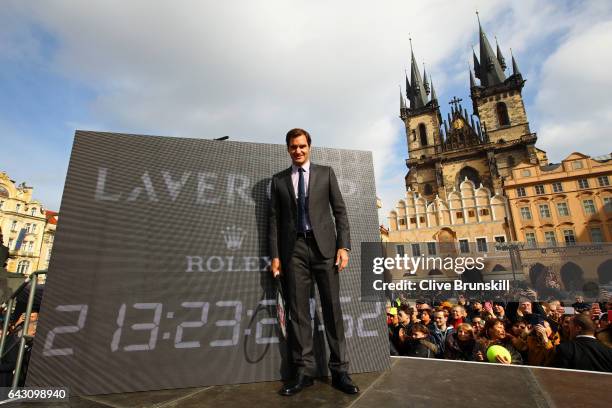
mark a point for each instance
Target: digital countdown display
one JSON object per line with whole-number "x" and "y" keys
{"x": 159, "y": 276}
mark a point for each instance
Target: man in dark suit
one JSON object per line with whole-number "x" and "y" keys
{"x": 306, "y": 247}
{"x": 584, "y": 351}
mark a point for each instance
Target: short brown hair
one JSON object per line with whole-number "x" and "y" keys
{"x": 296, "y": 132}
{"x": 584, "y": 322}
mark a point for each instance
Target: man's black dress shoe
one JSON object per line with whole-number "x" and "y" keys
{"x": 296, "y": 386}
{"x": 344, "y": 383}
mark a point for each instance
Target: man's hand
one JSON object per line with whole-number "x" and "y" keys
{"x": 275, "y": 267}
{"x": 342, "y": 259}
{"x": 502, "y": 359}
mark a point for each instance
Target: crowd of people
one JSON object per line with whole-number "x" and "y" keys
{"x": 548, "y": 334}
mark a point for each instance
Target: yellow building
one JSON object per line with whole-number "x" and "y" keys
{"x": 28, "y": 228}
{"x": 562, "y": 203}
{"x": 564, "y": 214}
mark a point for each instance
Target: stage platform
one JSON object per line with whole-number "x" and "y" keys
{"x": 409, "y": 383}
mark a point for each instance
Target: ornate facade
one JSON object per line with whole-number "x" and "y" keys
{"x": 28, "y": 228}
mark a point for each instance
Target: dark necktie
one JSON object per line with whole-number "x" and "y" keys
{"x": 301, "y": 202}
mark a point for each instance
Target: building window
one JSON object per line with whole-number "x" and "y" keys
{"x": 596, "y": 235}
{"x": 23, "y": 267}
{"x": 570, "y": 238}
{"x": 413, "y": 220}
{"x": 400, "y": 250}
{"x": 464, "y": 246}
{"x": 484, "y": 211}
{"x": 589, "y": 207}
{"x": 471, "y": 213}
{"x": 539, "y": 189}
{"x": 423, "y": 134}
{"x": 562, "y": 209}
{"x": 422, "y": 219}
{"x": 1, "y": 204}
{"x": 502, "y": 114}
{"x": 30, "y": 247}
{"x": 583, "y": 183}
{"x": 549, "y": 237}
{"x": 33, "y": 211}
{"x": 511, "y": 161}
{"x": 14, "y": 226}
{"x": 525, "y": 213}
{"x": 17, "y": 207}
{"x": 428, "y": 190}
{"x": 608, "y": 204}
{"x": 544, "y": 211}
{"x": 431, "y": 248}
{"x": 481, "y": 244}
{"x": 531, "y": 239}
{"x": 526, "y": 173}
{"x": 416, "y": 250}
{"x": 603, "y": 181}
{"x": 402, "y": 221}
{"x": 33, "y": 229}
{"x": 521, "y": 192}
{"x": 10, "y": 244}
{"x": 557, "y": 187}
{"x": 577, "y": 165}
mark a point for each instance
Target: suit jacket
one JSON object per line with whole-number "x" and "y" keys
{"x": 323, "y": 193}
{"x": 584, "y": 353}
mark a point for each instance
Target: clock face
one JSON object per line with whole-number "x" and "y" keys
{"x": 159, "y": 277}
{"x": 458, "y": 123}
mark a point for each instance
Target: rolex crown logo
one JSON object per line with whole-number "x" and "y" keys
{"x": 233, "y": 237}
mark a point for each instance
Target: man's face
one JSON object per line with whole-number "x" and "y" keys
{"x": 440, "y": 319}
{"x": 403, "y": 317}
{"x": 299, "y": 150}
{"x": 477, "y": 323}
{"x": 525, "y": 307}
{"x": 579, "y": 299}
{"x": 477, "y": 306}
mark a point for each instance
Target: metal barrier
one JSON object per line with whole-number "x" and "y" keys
{"x": 32, "y": 280}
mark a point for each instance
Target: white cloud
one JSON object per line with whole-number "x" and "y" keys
{"x": 254, "y": 69}
{"x": 574, "y": 95}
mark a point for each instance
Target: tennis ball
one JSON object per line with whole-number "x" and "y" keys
{"x": 495, "y": 351}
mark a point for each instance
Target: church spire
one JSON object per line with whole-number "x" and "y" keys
{"x": 515, "y": 68}
{"x": 500, "y": 57}
{"x": 425, "y": 83}
{"x": 434, "y": 97}
{"x": 416, "y": 95}
{"x": 489, "y": 69}
{"x": 472, "y": 80}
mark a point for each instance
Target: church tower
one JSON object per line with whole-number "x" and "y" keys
{"x": 481, "y": 147}
{"x": 498, "y": 103}
{"x": 422, "y": 121}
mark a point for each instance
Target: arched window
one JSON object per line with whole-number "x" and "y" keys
{"x": 423, "y": 134}
{"x": 502, "y": 114}
{"x": 3, "y": 192}
{"x": 471, "y": 175}
{"x": 428, "y": 190}
{"x": 23, "y": 267}
{"x": 511, "y": 161}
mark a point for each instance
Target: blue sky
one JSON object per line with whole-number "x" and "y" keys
{"x": 253, "y": 70}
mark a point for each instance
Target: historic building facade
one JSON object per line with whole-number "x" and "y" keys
{"x": 568, "y": 202}
{"x": 557, "y": 206}
{"x": 28, "y": 228}
{"x": 457, "y": 165}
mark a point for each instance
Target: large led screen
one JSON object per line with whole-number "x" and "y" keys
{"x": 159, "y": 277}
